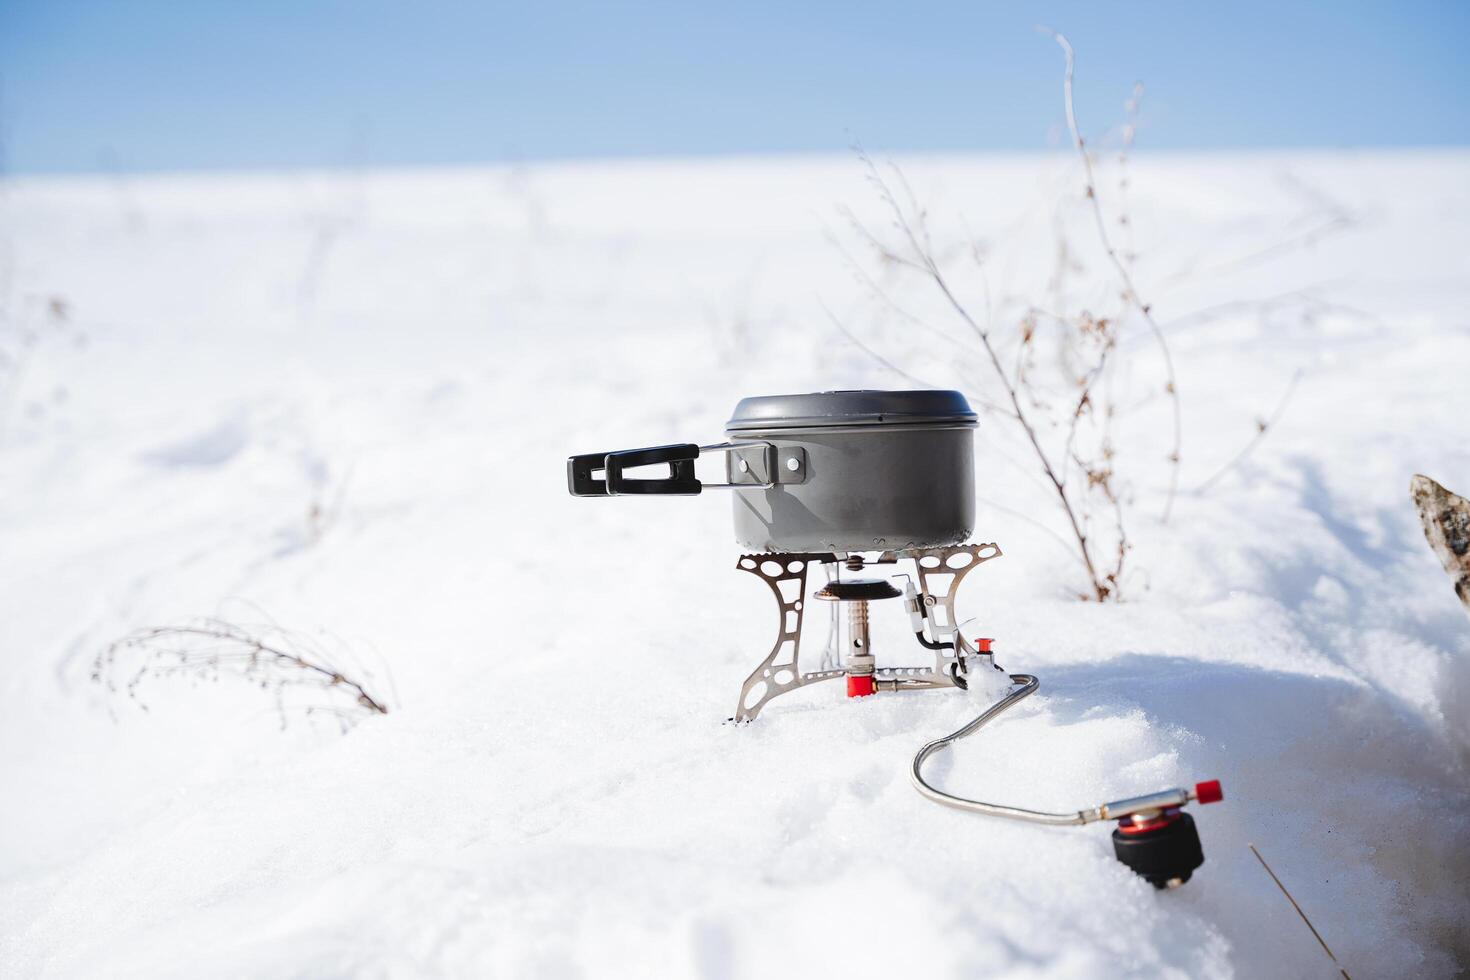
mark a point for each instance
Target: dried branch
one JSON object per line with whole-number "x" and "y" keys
{"x": 40, "y": 319}
{"x": 996, "y": 505}
{"x": 1315, "y": 934}
{"x": 207, "y": 648}
{"x": 1326, "y": 218}
{"x": 1304, "y": 299}
{"x": 886, "y": 256}
{"x": 1130, "y": 133}
{"x": 1130, "y": 290}
{"x": 920, "y": 255}
{"x": 1066, "y": 405}
{"x": 1263, "y": 426}
{"x": 858, "y": 343}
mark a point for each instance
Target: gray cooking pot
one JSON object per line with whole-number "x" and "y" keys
{"x": 825, "y": 471}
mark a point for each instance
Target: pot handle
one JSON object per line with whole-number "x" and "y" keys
{"x": 681, "y": 479}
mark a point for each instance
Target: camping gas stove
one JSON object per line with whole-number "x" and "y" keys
{"x": 930, "y": 606}
{"x": 870, "y": 486}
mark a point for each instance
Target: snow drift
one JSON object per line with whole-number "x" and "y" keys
{"x": 342, "y": 403}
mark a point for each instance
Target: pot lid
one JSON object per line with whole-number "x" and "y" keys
{"x": 866, "y": 408}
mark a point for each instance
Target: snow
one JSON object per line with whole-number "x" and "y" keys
{"x": 342, "y": 403}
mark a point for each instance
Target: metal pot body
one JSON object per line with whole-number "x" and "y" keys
{"x": 822, "y": 471}
{"x": 866, "y": 488}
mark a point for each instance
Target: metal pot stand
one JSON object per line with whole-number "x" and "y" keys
{"x": 931, "y": 608}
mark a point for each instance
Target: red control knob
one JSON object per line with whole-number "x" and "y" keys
{"x": 1209, "y": 792}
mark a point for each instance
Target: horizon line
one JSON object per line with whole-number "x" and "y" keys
{"x": 695, "y": 157}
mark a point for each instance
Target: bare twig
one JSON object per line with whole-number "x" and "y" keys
{"x": 204, "y": 648}
{"x": 921, "y": 256}
{"x": 1315, "y": 934}
{"x": 1130, "y": 133}
{"x": 1085, "y": 383}
{"x": 1066, "y": 411}
{"x": 1304, "y": 298}
{"x": 36, "y": 322}
{"x": 1029, "y": 520}
{"x": 1328, "y": 217}
{"x": 1025, "y": 403}
{"x": 1263, "y": 426}
{"x": 886, "y": 256}
{"x": 1130, "y": 290}
{"x": 858, "y": 343}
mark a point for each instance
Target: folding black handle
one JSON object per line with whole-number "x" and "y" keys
{"x": 681, "y": 479}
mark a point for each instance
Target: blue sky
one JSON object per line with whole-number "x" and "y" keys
{"x": 153, "y": 85}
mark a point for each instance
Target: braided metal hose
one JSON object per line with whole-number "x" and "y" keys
{"x": 1208, "y": 792}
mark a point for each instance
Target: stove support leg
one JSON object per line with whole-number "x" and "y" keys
{"x": 781, "y": 672}
{"x": 940, "y": 572}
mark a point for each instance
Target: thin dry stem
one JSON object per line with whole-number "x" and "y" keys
{"x": 1130, "y": 289}
{"x": 1130, "y": 133}
{"x": 858, "y": 343}
{"x": 203, "y": 648}
{"x": 1263, "y": 426}
{"x": 1315, "y": 934}
{"x": 921, "y": 256}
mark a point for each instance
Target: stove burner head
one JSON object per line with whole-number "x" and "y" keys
{"x": 857, "y": 590}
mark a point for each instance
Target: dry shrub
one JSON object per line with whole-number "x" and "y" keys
{"x": 1062, "y": 373}
{"x": 298, "y": 671}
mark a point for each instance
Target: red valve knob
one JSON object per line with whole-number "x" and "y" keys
{"x": 859, "y": 686}
{"x": 982, "y": 644}
{"x": 1209, "y": 792}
